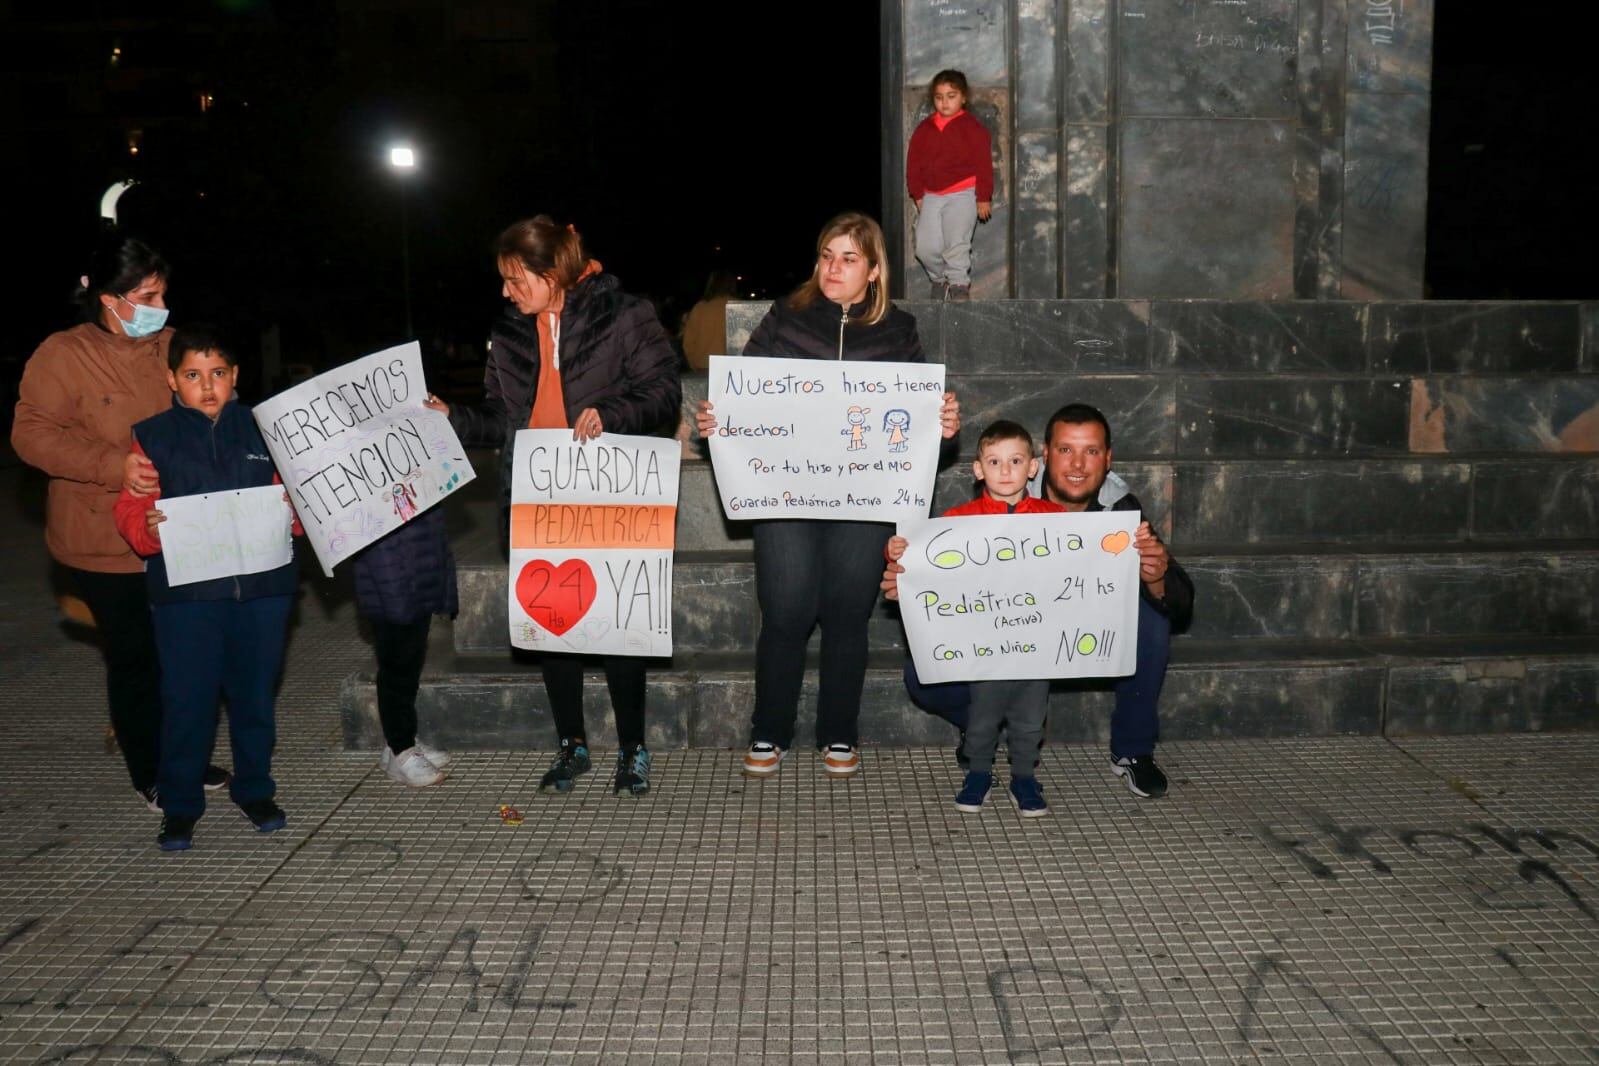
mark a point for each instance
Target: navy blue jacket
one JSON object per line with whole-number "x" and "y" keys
{"x": 193, "y": 455}
{"x": 409, "y": 574}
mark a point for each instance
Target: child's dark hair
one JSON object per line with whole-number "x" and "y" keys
{"x": 116, "y": 266}
{"x": 1005, "y": 429}
{"x": 1076, "y": 414}
{"x": 947, "y": 77}
{"x": 197, "y": 338}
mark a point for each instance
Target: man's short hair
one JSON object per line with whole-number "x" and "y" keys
{"x": 1004, "y": 429}
{"x": 1076, "y": 414}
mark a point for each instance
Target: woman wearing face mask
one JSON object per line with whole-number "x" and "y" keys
{"x": 81, "y": 392}
{"x": 573, "y": 352}
{"x": 810, "y": 573}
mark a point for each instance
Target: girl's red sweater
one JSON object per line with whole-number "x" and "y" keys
{"x": 938, "y": 158}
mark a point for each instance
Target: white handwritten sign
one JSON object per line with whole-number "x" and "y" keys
{"x": 223, "y": 534}
{"x": 991, "y": 597}
{"x": 359, "y": 453}
{"x": 807, "y": 438}
{"x": 593, "y": 526}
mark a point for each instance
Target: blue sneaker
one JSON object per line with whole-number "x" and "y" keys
{"x": 1028, "y": 797}
{"x": 632, "y": 771}
{"x": 266, "y": 816}
{"x": 973, "y": 791}
{"x": 177, "y": 834}
{"x": 571, "y": 759}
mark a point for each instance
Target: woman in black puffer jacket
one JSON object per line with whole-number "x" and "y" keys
{"x": 808, "y": 571}
{"x": 573, "y": 352}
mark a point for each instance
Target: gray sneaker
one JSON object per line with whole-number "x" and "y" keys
{"x": 958, "y": 293}
{"x": 938, "y": 291}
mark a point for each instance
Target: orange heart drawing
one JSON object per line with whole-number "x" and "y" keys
{"x": 556, "y": 597}
{"x": 1116, "y": 542}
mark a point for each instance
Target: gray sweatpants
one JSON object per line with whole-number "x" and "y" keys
{"x": 944, "y": 236}
{"x": 1018, "y": 705}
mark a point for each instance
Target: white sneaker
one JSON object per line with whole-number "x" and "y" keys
{"x": 841, "y": 760}
{"x": 762, "y": 760}
{"x": 410, "y": 767}
{"x": 437, "y": 756}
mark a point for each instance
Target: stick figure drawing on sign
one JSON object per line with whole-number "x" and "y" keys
{"x": 895, "y": 423}
{"x": 857, "y": 429}
{"x": 404, "y": 502}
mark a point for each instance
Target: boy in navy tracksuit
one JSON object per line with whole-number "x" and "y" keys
{"x": 224, "y": 636}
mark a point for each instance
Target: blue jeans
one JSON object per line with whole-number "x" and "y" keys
{"x": 809, "y": 573}
{"x": 209, "y": 649}
{"x": 1135, "y": 723}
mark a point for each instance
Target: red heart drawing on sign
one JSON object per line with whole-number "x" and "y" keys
{"x": 556, "y": 597}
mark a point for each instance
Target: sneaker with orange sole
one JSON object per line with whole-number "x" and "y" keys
{"x": 841, "y": 760}
{"x": 762, "y": 760}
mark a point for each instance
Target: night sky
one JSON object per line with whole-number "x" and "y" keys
{"x": 677, "y": 136}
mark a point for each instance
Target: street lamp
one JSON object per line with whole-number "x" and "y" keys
{"x": 402, "y": 157}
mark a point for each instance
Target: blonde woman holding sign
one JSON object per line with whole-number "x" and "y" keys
{"x": 573, "y": 351}
{"x": 817, "y": 572}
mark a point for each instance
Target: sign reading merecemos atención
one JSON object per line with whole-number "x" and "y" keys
{"x": 359, "y": 453}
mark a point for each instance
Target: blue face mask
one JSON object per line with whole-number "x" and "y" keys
{"x": 146, "y": 319}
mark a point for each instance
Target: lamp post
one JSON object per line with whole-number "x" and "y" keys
{"x": 402, "y": 157}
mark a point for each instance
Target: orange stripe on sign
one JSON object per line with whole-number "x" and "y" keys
{"x": 592, "y": 525}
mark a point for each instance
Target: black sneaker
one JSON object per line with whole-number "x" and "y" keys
{"x": 266, "y": 816}
{"x": 177, "y": 834}
{"x": 1143, "y": 777}
{"x": 632, "y": 770}
{"x": 215, "y": 778}
{"x": 148, "y": 797}
{"x": 571, "y": 759}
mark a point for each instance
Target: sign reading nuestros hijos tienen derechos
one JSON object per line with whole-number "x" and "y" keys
{"x": 809, "y": 438}
{"x": 359, "y": 453}
{"x": 593, "y": 526}
{"x": 1006, "y": 597}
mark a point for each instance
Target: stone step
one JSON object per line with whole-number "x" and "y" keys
{"x": 1205, "y": 337}
{"x": 1213, "y": 689}
{"x": 1211, "y": 379}
{"x": 1326, "y": 594}
{"x": 1240, "y": 501}
{"x": 1299, "y": 416}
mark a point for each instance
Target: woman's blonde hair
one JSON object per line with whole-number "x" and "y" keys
{"x": 553, "y": 252}
{"x": 866, "y": 235}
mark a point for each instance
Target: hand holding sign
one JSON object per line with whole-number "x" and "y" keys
{"x": 841, "y": 440}
{"x": 362, "y": 450}
{"x": 224, "y": 534}
{"x": 1008, "y": 597}
{"x": 592, "y": 532}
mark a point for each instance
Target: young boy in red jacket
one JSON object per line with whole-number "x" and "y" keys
{"x": 1004, "y": 465}
{"x": 225, "y": 636}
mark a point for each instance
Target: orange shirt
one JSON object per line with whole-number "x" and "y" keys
{"x": 549, "y": 404}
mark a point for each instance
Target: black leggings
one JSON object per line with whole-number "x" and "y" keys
{"x": 624, "y": 676}
{"x": 401, "y": 650}
{"x": 121, "y": 612}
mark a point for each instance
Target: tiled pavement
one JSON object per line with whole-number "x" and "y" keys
{"x": 1350, "y": 900}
